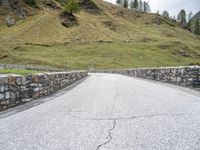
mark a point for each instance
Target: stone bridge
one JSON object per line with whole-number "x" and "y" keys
{"x": 105, "y": 111}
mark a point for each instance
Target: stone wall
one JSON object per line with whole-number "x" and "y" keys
{"x": 188, "y": 76}
{"x": 16, "y": 89}
{"x": 27, "y": 67}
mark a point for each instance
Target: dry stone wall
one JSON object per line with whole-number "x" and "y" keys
{"x": 17, "y": 89}
{"x": 188, "y": 76}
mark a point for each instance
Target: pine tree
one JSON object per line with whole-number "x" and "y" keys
{"x": 135, "y": 4}
{"x": 125, "y": 4}
{"x": 119, "y": 2}
{"x": 140, "y": 5}
{"x": 165, "y": 14}
{"x": 146, "y": 7}
{"x": 197, "y": 27}
{"x": 181, "y": 18}
{"x": 189, "y": 23}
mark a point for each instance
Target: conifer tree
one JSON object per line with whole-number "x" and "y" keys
{"x": 125, "y": 4}
{"x": 135, "y": 4}
{"x": 181, "y": 18}
{"x": 140, "y": 5}
{"x": 189, "y": 23}
{"x": 119, "y": 2}
{"x": 146, "y": 7}
{"x": 165, "y": 14}
{"x": 197, "y": 27}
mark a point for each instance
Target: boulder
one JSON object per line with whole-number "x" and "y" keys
{"x": 10, "y": 21}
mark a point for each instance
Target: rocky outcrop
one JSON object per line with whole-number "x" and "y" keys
{"x": 68, "y": 19}
{"x": 16, "y": 7}
{"x": 89, "y": 6}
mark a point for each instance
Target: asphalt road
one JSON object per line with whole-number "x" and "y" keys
{"x": 107, "y": 112}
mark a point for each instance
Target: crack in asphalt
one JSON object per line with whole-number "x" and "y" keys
{"x": 109, "y": 135}
{"x": 130, "y": 118}
{"x": 110, "y": 131}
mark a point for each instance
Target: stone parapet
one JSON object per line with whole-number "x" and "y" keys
{"x": 17, "y": 89}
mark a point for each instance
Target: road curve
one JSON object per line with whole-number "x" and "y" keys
{"x": 108, "y": 112}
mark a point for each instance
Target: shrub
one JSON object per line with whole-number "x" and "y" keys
{"x": 30, "y": 2}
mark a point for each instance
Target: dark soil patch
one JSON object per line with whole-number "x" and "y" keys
{"x": 110, "y": 25}
{"x": 68, "y": 19}
{"x": 35, "y": 44}
{"x": 50, "y": 4}
{"x": 160, "y": 20}
{"x": 164, "y": 46}
{"x": 147, "y": 40}
{"x": 89, "y": 6}
{"x": 3, "y": 56}
{"x": 157, "y": 20}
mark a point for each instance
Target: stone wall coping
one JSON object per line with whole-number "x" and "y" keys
{"x": 40, "y": 74}
{"x": 10, "y": 75}
{"x": 170, "y": 67}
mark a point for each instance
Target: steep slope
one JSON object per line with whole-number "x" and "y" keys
{"x": 196, "y": 16}
{"x": 114, "y": 38}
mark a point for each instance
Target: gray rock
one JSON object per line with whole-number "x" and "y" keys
{"x": 1, "y": 96}
{"x": 10, "y": 21}
{"x": 2, "y": 88}
{"x": 4, "y": 102}
{"x": 7, "y": 95}
{"x": 19, "y": 81}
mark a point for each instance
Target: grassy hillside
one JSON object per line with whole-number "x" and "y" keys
{"x": 116, "y": 38}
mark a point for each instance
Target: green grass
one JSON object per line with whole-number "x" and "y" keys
{"x": 18, "y": 71}
{"x": 42, "y": 40}
{"x": 105, "y": 55}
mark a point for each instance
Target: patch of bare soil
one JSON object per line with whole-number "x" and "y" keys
{"x": 111, "y": 25}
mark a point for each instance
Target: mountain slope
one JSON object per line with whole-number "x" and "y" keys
{"x": 196, "y": 16}
{"x": 115, "y": 38}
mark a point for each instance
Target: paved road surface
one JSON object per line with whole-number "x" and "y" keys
{"x": 108, "y": 112}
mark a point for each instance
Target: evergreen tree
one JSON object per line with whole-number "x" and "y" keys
{"x": 140, "y": 5}
{"x": 165, "y": 14}
{"x": 132, "y": 5}
{"x": 119, "y": 2}
{"x": 181, "y": 18}
{"x": 72, "y": 6}
{"x": 125, "y": 4}
{"x": 197, "y": 27}
{"x": 189, "y": 24}
{"x": 190, "y": 16}
{"x": 146, "y": 7}
{"x": 135, "y": 4}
